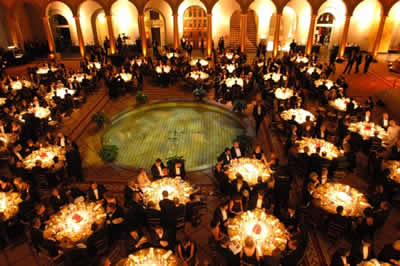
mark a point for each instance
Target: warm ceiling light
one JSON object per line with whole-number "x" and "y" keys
{"x": 102, "y": 17}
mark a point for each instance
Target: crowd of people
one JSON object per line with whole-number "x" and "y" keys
{"x": 45, "y": 163}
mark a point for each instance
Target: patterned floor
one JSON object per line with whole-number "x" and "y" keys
{"x": 198, "y": 132}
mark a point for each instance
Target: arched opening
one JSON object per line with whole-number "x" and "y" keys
{"x": 301, "y": 22}
{"x": 364, "y": 24}
{"x": 164, "y": 22}
{"x": 195, "y": 25}
{"x": 264, "y": 10}
{"x": 287, "y": 29}
{"x": 5, "y": 39}
{"x": 63, "y": 27}
{"x": 393, "y": 20}
{"x": 324, "y": 28}
{"x": 221, "y": 18}
{"x": 335, "y": 12}
{"x": 155, "y": 26}
{"x": 88, "y": 12}
{"x": 100, "y": 29}
{"x": 251, "y": 37}
{"x": 61, "y": 32}
{"x": 125, "y": 21}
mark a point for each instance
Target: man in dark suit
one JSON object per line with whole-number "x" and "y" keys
{"x": 129, "y": 190}
{"x": 160, "y": 238}
{"x": 57, "y": 199}
{"x": 178, "y": 170}
{"x": 368, "y": 60}
{"x": 361, "y": 250}
{"x": 350, "y": 63}
{"x": 358, "y": 60}
{"x": 395, "y": 154}
{"x": 96, "y": 192}
{"x": 259, "y": 201}
{"x": 157, "y": 170}
{"x": 226, "y": 156}
{"x": 339, "y": 219}
{"x": 292, "y": 254}
{"x": 259, "y": 112}
{"x": 115, "y": 221}
{"x": 236, "y": 151}
{"x": 341, "y": 257}
{"x": 168, "y": 214}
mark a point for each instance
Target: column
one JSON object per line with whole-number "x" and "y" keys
{"x": 311, "y": 34}
{"x": 344, "y": 36}
{"x": 142, "y": 31}
{"x": 379, "y": 36}
{"x": 111, "y": 35}
{"x": 50, "y": 40}
{"x": 243, "y": 31}
{"x": 276, "y": 34}
{"x": 176, "y": 31}
{"x": 209, "y": 34}
{"x": 80, "y": 36}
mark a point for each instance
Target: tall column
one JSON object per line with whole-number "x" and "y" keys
{"x": 344, "y": 36}
{"x": 243, "y": 31}
{"x": 49, "y": 36}
{"x": 209, "y": 34}
{"x": 142, "y": 31}
{"x": 80, "y": 36}
{"x": 111, "y": 34}
{"x": 276, "y": 34}
{"x": 176, "y": 31}
{"x": 379, "y": 36}
{"x": 311, "y": 34}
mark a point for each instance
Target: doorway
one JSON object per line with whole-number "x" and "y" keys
{"x": 324, "y": 29}
{"x": 195, "y": 26}
{"x": 61, "y": 32}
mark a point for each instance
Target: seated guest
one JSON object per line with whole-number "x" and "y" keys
{"x": 74, "y": 255}
{"x": 136, "y": 240}
{"x": 42, "y": 214}
{"x": 39, "y": 242}
{"x": 221, "y": 215}
{"x": 142, "y": 178}
{"x": 259, "y": 154}
{"x": 361, "y": 250}
{"x": 161, "y": 239}
{"x": 381, "y": 214}
{"x": 74, "y": 192}
{"x": 135, "y": 214}
{"x": 259, "y": 201}
{"x": 5, "y": 185}
{"x": 187, "y": 251}
{"x": 395, "y": 154}
{"x": 341, "y": 257}
{"x": 129, "y": 189}
{"x": 249, "y": 255}
{"x": 226, "y": 156}
{"x": 157, "y": 170}
{"x": 236, "y": 205}
{"x": 292, "y": 254}
{"x": 390, "y": 253}
{"x": 236, "y": 151}
{"x": 99, "y": 235}
{"x": 384, "y": 122}
{"x": 239, "y": 185}
{"x": 114, "y": 221}
{"x": 367, "y": 227}
{"x": 178, "y": 170}
{"x": 96, "y": 192}
{"x": 57, "y": 199}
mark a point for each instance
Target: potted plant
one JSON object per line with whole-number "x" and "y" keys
{"x": 108, "y": 153}
{"x": 99, "y": 118}
{"x": 199, "y": 93}
{"x": 239, "y": 106}
{"x": 141, "y": 98}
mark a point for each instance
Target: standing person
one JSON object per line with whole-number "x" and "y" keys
{"x": 202, "y": 46}
{"x": 358, "y": 60}
{"x": 368, "y": 61}
{"x": 350, "y": 63}
{"x": 106, "y": 45}
{"x": 189, "y": 49}
{"x": 259, "y": 112}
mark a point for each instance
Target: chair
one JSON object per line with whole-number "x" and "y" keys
{"x": 335, "y": 231}
{"x": 153, "y": 217}
{"x": 181, "y": 217}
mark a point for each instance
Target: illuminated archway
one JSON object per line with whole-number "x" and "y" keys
{"x": 125, "y": 20}
{"x": 324, "y": 28}
{"x": 337, "y": 9}
{"x": 58, "y": 9}
{"x": 264, "y": 10}
{"x": 61, "y": 32}
{"x": 195, "y": 25}
{"x": 221, "y": 14}
{"x": 301, "y": 25}
{"x": 165, "y": 10}
{"x": 364, "y": 24}
{"x": 287, "y": 28}
{"x": 85, "y": 12}
{"x": 100, "y": 29}
{"x": 391, "y": 33}
{"x": 155, "y": 26}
